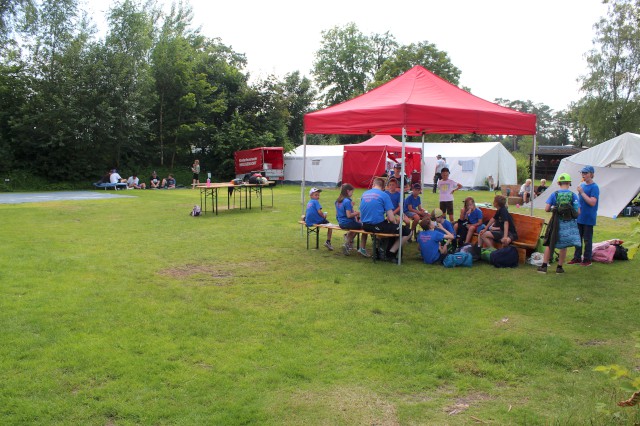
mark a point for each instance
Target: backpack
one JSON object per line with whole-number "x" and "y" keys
{"x": 621, "y": 252}
{"x": 506, "y": 257}
{"x": 564, "y": 202}
{"x": 196, "y": 211}
{"x": 457, "y": 259}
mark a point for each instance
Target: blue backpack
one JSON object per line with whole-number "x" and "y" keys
{"x": 506, "y": 257}
{"x": 458, "y": 259}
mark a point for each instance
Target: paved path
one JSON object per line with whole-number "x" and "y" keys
{"x": 39, "y": 197}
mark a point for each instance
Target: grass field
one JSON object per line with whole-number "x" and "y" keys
{"x": 130, "y": 311}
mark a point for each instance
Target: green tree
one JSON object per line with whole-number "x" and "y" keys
{"x": 612, "y": 86}
{"x": 423, "y": 53}
{"x": 344, "y": 64}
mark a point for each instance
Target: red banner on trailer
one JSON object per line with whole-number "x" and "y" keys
{"x": 261, "y": 159}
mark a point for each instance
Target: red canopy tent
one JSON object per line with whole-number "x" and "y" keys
{"x": 418, "y": 102}
{"x": 363, "y": 161}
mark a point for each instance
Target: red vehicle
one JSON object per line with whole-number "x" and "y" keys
{"x": 268, "y": 161}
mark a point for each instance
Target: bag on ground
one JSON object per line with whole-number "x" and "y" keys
{"x": 603, "y": 252}
{"x": 196, "y": 211}
{"x": 457, "y": 259}
{"x": 506, "y": 257}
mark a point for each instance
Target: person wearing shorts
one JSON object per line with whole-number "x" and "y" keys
{"x": 500, "y": 227}
{"x": 374, "y": 205}
{"x": 447, "y": 187}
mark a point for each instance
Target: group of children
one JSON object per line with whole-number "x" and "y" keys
{"x": 435, "y": 225}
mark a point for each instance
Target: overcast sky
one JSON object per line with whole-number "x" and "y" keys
{"x": 511, "y": 49}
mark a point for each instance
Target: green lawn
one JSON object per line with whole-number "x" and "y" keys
{"x": 130, "y": 311}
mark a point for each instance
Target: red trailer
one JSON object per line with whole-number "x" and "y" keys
{"x": 268, "y": 161}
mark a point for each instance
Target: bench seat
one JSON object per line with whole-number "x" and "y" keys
{"x": 529, "y": 229}
{"x": 315, "y": 229}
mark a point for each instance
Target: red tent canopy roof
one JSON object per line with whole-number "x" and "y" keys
{"x": 420, "y": 102}
{"x": 378, "y": 141}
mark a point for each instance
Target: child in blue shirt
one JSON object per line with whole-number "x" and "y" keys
{"x": 470, "y": 221}
{"x": 413, "y": 208}
{"x": 349, "y": 218}
{"x": 315, "y": 216}
{"x": 433, "y": 241}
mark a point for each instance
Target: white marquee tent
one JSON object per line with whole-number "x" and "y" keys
{"x": 471, "y": 163}
{"x": 617, "y": 173}
{"x": 323, "y": 165}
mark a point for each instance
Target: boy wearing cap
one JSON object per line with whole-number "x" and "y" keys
{"x": 412, "y": 207}
{"x": 438, "y": 216}
{"x": 315, "y": 215}
{"x": 562, "y": 231}
{"x": 588, "y": 196}
{"x": 447, "y": 187}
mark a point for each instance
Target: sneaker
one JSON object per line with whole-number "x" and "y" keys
{"x": 363, "y": 252}
{"x": 574, "y": 261}
{"x": 586, "y": 263}
{"x": 328, "y": 245}
{"x": 542, "y": 269}
{"x": 559, "y": 270}
{"x": 345, "y": 249}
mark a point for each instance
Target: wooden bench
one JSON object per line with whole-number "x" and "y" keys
{"x": 513, "y": 197}
{"x": 529, "y": 229}
{"x": 315, "y": 229}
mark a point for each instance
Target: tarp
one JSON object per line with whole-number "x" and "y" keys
{"x": 617, "y": 173}
{"x": 368, "y": 159}
{"x": 253, "y": 160}
{"x": 323, "y": 165}
{"x": 471, "y": 163}
{"x": 420, "y": 102}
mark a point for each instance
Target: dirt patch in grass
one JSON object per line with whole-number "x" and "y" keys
{"x": 218, "y": 274}
{"x": 594, "y": 343}
{"x": 346, "y": 405}
{"x": 462, "y": 404}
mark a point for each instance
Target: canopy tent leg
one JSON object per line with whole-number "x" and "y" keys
{"x": 304, "y": 175}
{"x": 533, "y": 177}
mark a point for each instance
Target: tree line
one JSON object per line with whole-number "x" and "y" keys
{"x": 154, "y": 91}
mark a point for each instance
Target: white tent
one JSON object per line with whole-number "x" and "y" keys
{"x": 471, "y": 163}
{"x": 617, "y": 173}
{"x": 323, "y": 165}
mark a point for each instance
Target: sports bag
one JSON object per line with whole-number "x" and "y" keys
{"x": 457, "y": 259}
{"x": 506, "y": 257}
{"x": 196, "y": 211}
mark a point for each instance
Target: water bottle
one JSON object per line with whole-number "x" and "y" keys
{"x": 208, "y": 182}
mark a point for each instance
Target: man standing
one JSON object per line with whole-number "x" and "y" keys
{"x": 588, "y": 195}
{"x": 375, "y": 203}
{"x": 440, "y": 164}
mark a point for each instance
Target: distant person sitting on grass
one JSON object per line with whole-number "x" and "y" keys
{"x": 116, "y": 178}
{"x": 134, "y": 183}
{"x": 315, "y": 216}
{"x": 154, "y": 181}
{"x": 169, "y": 182}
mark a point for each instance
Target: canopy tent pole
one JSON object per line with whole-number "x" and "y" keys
{"x": 533, "y": 177}
{"x": 422, "y": 164}
{"x": 404, "y": 140}
{"x": 304, "y": 174}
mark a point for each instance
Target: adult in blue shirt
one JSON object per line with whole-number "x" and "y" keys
{"x": 588, "y": 196}
{"x": 374, "y": 205}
